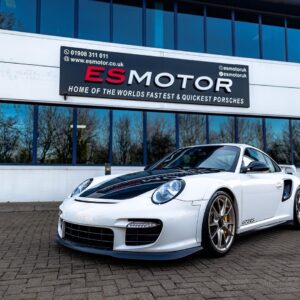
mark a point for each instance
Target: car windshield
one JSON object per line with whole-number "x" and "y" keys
{"x": 215, "y": 157}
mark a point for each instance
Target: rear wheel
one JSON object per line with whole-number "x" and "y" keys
{"x": 219, "y": 225}
{"x": 297, "y": 209}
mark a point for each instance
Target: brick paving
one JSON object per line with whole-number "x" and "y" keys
{"x": 264, "y": 265}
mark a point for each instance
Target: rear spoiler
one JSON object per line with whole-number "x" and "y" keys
{"x": 289, "y": 169}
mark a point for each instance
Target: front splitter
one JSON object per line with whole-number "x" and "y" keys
{"x": 129, "y": 254}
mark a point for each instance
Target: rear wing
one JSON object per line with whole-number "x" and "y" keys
{"x": 289, "y": 169}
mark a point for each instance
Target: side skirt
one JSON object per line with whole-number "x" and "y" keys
{"x": 247, "y": 229}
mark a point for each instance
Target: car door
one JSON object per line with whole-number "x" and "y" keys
{"x": 261, "y": 191}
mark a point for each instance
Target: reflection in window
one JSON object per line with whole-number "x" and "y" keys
{"x": 190, "y": 27}
{"x": 57, "y": 17}
{"x": 93, "y": 20}
{"x": 296, "y": 141}
{"x": 127, "y": 27}
{"x": 160, "y": 135}
{"x": 127, "y": 137}
{"x": 250, "y": 131}
{"x": 192, "y": 129}
{"x": 160, "y": 24}
{"x": 273, "y": 41}
{"x": 293, "y": 39}
{"x": 92, "y": 136}
{"x": 18, "y": 15}
{"x": 221, "y": 129}
{"x": 247, "y": 35}
{"x": 277, "y": 139}
{"x": 219, "y": 31}
{"x": 16, "y": 128}
{"x": 55, "y": 128}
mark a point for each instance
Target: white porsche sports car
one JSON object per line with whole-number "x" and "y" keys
{"x": 195, "y": 198}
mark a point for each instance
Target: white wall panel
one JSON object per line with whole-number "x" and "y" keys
{"x": 36, "y": 183}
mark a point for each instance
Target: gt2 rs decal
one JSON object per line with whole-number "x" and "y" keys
{"x": 248, "y": 221}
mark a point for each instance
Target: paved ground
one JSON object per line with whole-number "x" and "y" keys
{"x": 264, "y": 265}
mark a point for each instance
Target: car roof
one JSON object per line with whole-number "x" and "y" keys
{"x": 242, "y": 146}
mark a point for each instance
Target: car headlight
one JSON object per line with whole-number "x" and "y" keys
{"x": 82, "y": 186}
{"x": 168, "y": 191}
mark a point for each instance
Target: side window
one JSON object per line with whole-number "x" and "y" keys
{"x": 273, "y": 167}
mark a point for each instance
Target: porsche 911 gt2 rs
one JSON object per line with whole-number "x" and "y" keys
{"x": 195, "y": 198}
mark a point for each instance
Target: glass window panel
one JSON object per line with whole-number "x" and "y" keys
{"x": 273, "y": 38}
{"x": 160, "y": 135}
{"x": 16, "y": 129}
{"x": 92, "y": 136}
{"x": 190, "y": 27}
{"x": 221, "y": 129}
{"x": 55, "y": 135}
{"x": 270, "y": 164}
{"x": 127, "y": 137}
{"x": 93, "y": 22}
{"x": 192, "y": 129}
{"x": 219, "y": 31}
{"x": 293, "y": 37}
{"x": 127, "y": 27}
{"x": 247, "y": 35}
{"x": 160, "y": 24}
{"x": 57, "y": 17}
{"x": 277, "y": 139}
{"x": 250, "y": 131}
{"x": 18, "y": 15}
{"x": 296, "y": 141}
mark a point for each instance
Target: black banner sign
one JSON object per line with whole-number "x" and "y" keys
{"x": 103, "y": 74}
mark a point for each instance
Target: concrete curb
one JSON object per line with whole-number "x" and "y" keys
{"x": 29, "y": 206}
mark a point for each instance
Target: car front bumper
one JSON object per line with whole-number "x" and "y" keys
{"x": 180, "y": 235}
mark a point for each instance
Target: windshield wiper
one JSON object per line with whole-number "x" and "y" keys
{"x": 213, "y": 169}
{"x": 174, "y": 168}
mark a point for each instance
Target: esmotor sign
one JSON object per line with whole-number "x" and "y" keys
{"x": 103, "y": 74}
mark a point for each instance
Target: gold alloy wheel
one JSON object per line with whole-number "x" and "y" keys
{"x": 221, "y": 223}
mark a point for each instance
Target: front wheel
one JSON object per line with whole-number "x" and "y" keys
{"x": 297, "y": 209}
{"x": 219, "y": 225}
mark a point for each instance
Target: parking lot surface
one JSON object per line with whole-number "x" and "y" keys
{"x": 264, "y": 265}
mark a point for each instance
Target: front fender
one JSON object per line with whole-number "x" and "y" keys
{"x": 198, "y": 189}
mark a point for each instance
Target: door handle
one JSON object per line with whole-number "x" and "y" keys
{"x": 279, "y": 185}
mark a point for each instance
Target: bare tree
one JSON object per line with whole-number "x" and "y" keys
{"x": 226, "y": 132}
{"x": 16, "y": 128}
{"x": 160, "y": 139}
{"x": 7, "y": 20}
{"x": 9, "y": 136}
{"x": 128, "y": 140}
{"x": 55, "y": 135}
{"x": 92, "y": 137}
{"x": 250, "y": 132}
{"x": 122, "y": 140}
{"x": 296, "y": 141}
{"x": 278, "y": 143}
{"x": 192, "y": 129}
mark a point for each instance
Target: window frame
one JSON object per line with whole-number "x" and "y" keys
{"x": 264, "y": 155}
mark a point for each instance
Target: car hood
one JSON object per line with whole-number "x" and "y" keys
{"x": 134, "y": 184}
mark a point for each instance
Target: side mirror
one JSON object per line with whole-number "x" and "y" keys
{"x": 256, "y": 166}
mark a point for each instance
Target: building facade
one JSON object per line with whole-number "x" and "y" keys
{"x": 51, "y": 140}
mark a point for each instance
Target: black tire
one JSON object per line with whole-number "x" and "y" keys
{"x": 297, "y": 210}
{"x": 208, "y": 242}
